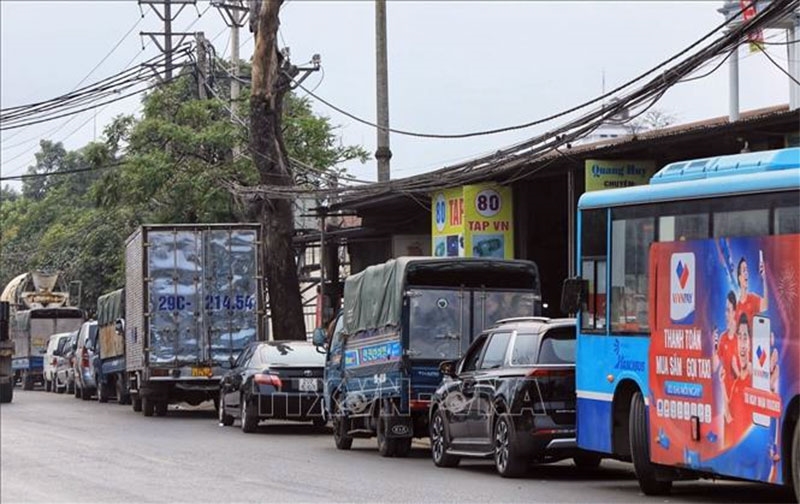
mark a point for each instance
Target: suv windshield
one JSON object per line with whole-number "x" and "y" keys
{"x": 438, "y": 320}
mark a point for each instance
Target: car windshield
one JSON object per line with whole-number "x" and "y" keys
{"x": 291, "y": 353}
{"x": 438, "y": 321}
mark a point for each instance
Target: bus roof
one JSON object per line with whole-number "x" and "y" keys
{"x": 750, "y": 172}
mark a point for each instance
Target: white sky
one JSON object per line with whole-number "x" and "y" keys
{"x": 453, "y": 66}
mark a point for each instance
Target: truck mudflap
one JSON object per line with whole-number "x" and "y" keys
{"x": 399, "y": 426}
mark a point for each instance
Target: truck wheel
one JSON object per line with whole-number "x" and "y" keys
{"x": 7, "y": 392}
{"x": 249, "y": 417}
{"x": 402, "y": 446}
{"x": 340, "y": 437}
{"x": 161, "y": 407}
{"x": 439, "y": 442}
{"x": 102, "y": 390}
{"x": 136, "y": 403}
{"x": 122, "y": 396}
{"x": 385, "y": 446}
{"x": 507, "y": 460}
{"x": 27, "y": 381}
{"x": 640, "y": 450}
{"x": 148, "y": 407}
{"x": 587, "y": 460}
{"x": 224, "y": 418}
{"x": 796, "y": 461}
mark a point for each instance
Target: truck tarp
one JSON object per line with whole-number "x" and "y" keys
{"x": 109, "y": 307}
{"x": 373, "y": 298}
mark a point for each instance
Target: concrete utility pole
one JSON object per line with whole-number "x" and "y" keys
{"x": 793, "y": 54}
{"x": 202, "y": 65}
{"x": 234, "y": 13}
{"x": 732, "y": 9}
{"x": 167, "y": 16}
{"x": 383, "y": 154}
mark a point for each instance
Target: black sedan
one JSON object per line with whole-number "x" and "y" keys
{"x": 510, "y": 398}
{"x": 273, "y": 380}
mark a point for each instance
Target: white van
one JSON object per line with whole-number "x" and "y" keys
{"x": 51, "y": 359}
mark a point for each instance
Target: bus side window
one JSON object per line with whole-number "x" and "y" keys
{"x": 741, "y": 223}
{"x": 630, "y": 246}
{"x": 594, "y": 229}
{"x": 787, "y": 220}
{"x": 683, "y": 227}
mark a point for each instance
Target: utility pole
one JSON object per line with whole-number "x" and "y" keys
{"x": 383, "y": 153}
{"x": 167, "y": 16}
{"x": 202, "y": 65}
{"x": 234, "y": 13}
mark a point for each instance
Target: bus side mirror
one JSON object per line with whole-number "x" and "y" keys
{"x": 319, "y": 337}
{"x": 574, "y": 294}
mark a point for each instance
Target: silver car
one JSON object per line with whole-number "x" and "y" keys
{"x": 85, "y": 385}
{"x": 65, "y": 365}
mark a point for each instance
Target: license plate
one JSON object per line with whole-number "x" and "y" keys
{"x": 308, "y": 384}
{"x": 201, "y": 371}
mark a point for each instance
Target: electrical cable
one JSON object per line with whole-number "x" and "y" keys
{"x": 779, "y": 67}
{"x": 527, "y": 124}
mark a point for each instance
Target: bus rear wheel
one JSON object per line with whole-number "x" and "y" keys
{"x": 796, "y": 461}
{"x": 640, "y": 450}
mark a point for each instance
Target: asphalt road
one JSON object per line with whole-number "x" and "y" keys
{"x": 54, "y": 448}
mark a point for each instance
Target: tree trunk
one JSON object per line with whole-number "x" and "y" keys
{"x": 269, "y": 155}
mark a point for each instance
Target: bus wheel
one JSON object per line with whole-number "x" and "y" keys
{"x": 640, "y": 450}
{"x": 796, "y": 461}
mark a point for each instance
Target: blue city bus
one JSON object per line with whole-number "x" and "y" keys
{"x": 688, "y": 294}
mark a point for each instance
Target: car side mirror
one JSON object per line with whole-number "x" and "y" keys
{"x": 448, "y": 368}
{"x": 574, "y": 293}
{"x": 319, "y": 338}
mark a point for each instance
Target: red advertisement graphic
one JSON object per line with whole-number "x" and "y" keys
{"x": 724, "y": 352}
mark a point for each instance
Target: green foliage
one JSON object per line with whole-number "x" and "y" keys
{"x": 164, "y": 167}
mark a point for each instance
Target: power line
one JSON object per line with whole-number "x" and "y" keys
{"x": 51, "y": 117}
{"x": 71, "y": 118}
{"x": 780, "y": 68}
{"x": 62, "y": 172}
{"x": 530, "y": 123}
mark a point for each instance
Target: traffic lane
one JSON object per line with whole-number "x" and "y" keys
{"x": 57, "y": 449}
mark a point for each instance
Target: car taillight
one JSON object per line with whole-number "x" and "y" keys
{"x": 85, "y": 358}
{"x": 548, "y": 372}
{"x": 268, "y": 379}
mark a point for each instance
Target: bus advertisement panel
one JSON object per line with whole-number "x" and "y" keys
{"x": 724, "y": 356}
